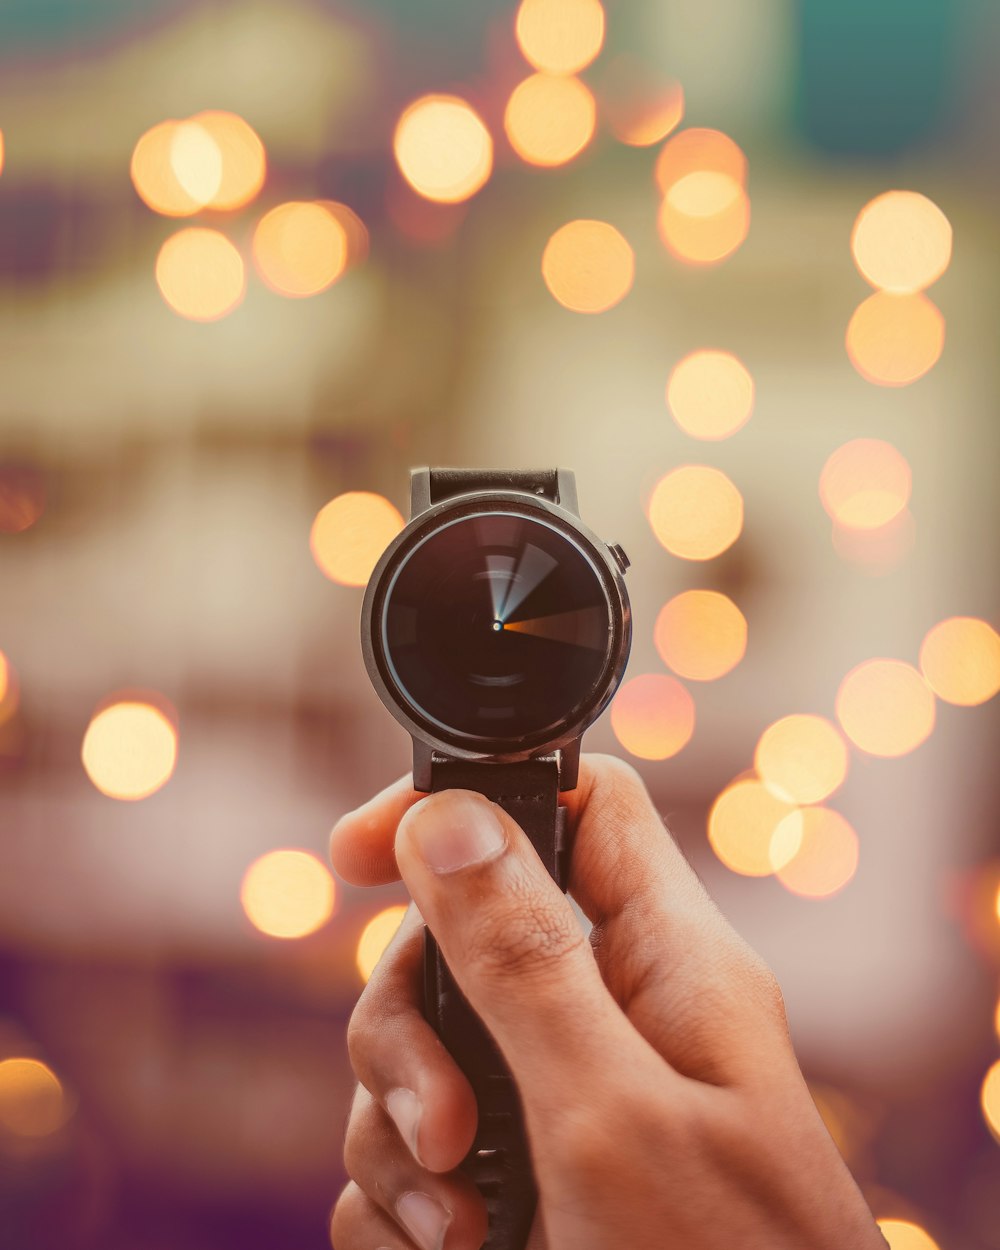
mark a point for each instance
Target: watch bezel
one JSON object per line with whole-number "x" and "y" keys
{"x": 421, "y": 527}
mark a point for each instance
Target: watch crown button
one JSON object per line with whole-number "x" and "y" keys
{"x": 618, "y": 551}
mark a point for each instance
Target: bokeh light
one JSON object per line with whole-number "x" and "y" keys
{"x": 196, "y": 161}
{"x": 885, "y": 707}
{"x": 640, "y": 105}
{"x": 153, "y": 173}
{"x": 550, "y": 119}
{"x": 699, "y": 150}
{"x": 960, "y": 658}
{"x": 704, "y": 218}
{"x": 212, "y": 160}
{"x": 200, "y": 274}
{"x": 865, "y": 483}
{"x": 559, "y": 36}
{"x": 129, "y": 750}
{"x": 9, "y": 689}
{"x": 903, "y": 1235}
{"x": 288, "y": 894}
{"x": 588, "y": 266}
{"x": 741, "y": 828}
{"x": 901, "y": 242}
{"x": 700, "y": 634}
{"x": 32, "y": 1102}
{"x": 22, "y": 497}
{"x": 801, "y": 758}
{"x": 443, "y": 148}
{"x": 696, "y": 512}
{"x": 710, "y": 394}
{"x": 652, "y": 716}
{"x": 376, "y": 936}
{"x": 824, "y": 852}
{"x": 350, "y": 533}
{"x": 242, "y": 158}
{"x": 892, "y": 340}
{"x": 300, "y": 248}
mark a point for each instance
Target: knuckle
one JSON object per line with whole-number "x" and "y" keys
{"x": 362, "y": 1030}
{"x": 344, "y": 1218}
{"x": 764, "y": 986}
{"x": 530, "y": 936}
{"x": 585, "y": 1127}
{"x": 361, "y": 1132}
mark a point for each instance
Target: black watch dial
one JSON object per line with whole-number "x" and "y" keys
{"x": 497, "y": 626}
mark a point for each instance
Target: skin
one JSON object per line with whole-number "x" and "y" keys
{"x": 696, "y": 1130}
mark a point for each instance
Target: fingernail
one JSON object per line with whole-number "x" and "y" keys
{"x": 456, "y": 832}
{"x": 404, "y": 1107}
{"x": 426, "y": 1220}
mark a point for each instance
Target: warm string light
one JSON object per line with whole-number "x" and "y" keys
{"x": 9, "y": 690}
{"x": 865, "y": 484}
{"x": 901, "y": 243}
{"x": 33, "y": 1102}
{"x": 288, "y": 894}
{"x": 801, "y": 758}
{"x": 300, "y": 248}
{"x": 700, "y": 634}
{"x": 742, "y": 824}
{"x": 213, "y": 160}
{"x": 350, "y": 533}
{"x": 705, "y": 210}
{"x": 443, "y": 148}
{"x": 216, "y": 161}
{"x": 885, "y": 707}
{"x": 559, "y": 36}
{"x": 652, "y": 716}
{"x": 129, "y": 749}
{"x": 905, "y": 1235}
{"x": 376, "y": 936}
{"x": 200, "y": 274}
{"x": 550, "y": 119}
{"x": 960, "y": 658}
{"x": 588, "y": 266}
{"x": 695, "y": 512}
{"x": 710, "y": 394}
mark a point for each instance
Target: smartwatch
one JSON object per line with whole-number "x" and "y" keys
{"x": 495, "y": 628}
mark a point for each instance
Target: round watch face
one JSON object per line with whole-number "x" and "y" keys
{"x": 496, "y": 626}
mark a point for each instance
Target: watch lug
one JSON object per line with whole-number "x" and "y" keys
{"x": 569, "y": 765}
{"x": 420, "y": 494}
{"x": 566, "y": 490}
{"x": 422, "y": 754}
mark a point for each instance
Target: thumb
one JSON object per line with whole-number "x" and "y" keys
{"x": 512, "y": 942}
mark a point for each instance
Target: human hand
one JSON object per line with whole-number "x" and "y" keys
{"x": 663, "y": 1103}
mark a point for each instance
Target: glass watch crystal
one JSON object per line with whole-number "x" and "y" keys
{"x": 496, "y": 625}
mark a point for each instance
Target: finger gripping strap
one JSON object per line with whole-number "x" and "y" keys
{"x": 499, "y": 1160}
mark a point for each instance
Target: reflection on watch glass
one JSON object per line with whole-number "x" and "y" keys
{"x": 497, "y": 626}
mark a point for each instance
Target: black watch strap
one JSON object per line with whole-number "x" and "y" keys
{"x": 445, "y": 483}
{"x": 499, "y": 1160}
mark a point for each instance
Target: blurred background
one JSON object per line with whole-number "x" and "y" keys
{"x": 737, "y": 266}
